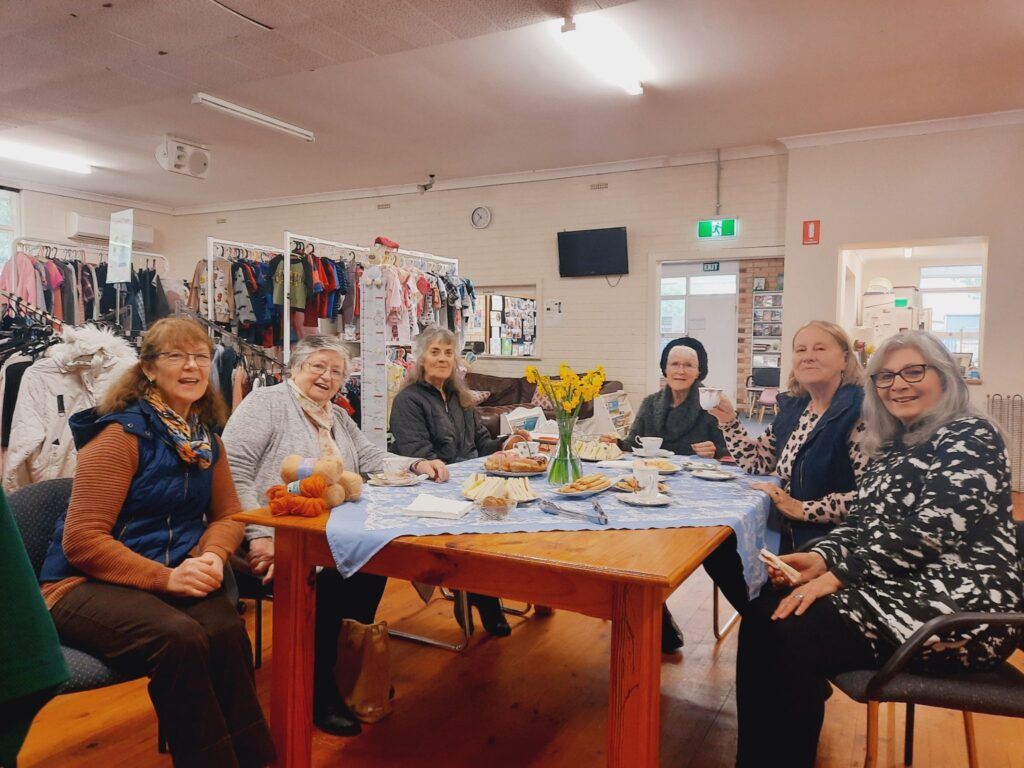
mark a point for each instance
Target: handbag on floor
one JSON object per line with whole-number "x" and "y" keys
{"x": 363, "y": 670}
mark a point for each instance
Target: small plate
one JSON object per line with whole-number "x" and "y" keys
{"x": 713, "y": 474}
{"x": 660, "y": 453}
{"x": 666, "y": 471}
{"x": 692, "y": 466}
{"x": 377, "y": 478}
{"x": 634, "y": 500}
{"x": 499, "y": 473}
{"x": 581, "y": 494}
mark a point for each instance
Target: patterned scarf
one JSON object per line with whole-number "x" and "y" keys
{"x": 321, "y": 416}
{"x": 191, "y": 439}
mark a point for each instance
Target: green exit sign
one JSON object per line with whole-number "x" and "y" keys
{"x": 716, "y": 229}
{"x": 711, "y": 266}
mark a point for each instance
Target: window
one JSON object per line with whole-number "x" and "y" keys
{"x": 953, "y": 294}
{"x": 708, "y": 285}
{"x": 9, "y": 205}
{"x": 672, "y": 300}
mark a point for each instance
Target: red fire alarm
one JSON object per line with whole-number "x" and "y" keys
{"x": 812, "y": 232}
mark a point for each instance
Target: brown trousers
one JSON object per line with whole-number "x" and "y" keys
{"x": 197, "y": 656}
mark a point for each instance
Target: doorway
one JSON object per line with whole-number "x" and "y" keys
{"x": 702, "y": 304}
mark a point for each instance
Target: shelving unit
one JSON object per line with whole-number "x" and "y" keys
{"x": 766, "y": 330}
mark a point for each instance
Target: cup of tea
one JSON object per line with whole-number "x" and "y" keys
{"x": 646, "y": 480}
{"x": 527, "y": 448}
{"x": 710, "y": 397}
{"x": 395, "y": 469}
{"x": 649, "y": 445}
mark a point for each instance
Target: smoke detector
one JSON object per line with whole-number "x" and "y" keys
{"x": 184, "y": 157}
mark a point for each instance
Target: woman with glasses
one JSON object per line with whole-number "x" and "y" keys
{"x": 298, "y": 416}
{"x": 134, "y": 574}
{"x": 434, "y": 417}
{"x": 931, "y": 532}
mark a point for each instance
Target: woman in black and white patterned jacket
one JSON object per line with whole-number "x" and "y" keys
{"x": 931, "y": 532}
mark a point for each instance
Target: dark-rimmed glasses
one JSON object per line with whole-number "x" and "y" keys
{"x": 910, "y": 374}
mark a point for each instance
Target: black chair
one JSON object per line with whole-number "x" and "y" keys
{"x": 757, "y": 382}
{"x": 35, "y": 509}
{"x": 251, "y": 587}
{"x": 997, "y": 692}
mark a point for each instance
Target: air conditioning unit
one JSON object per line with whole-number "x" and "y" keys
{"x": 95, "y": 229}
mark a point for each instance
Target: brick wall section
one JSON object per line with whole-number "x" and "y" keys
{"x": 770, "y": 270}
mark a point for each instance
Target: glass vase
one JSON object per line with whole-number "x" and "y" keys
{"x": 565, "y": 466}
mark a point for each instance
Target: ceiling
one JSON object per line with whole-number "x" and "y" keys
{"x": 397, "y": 89}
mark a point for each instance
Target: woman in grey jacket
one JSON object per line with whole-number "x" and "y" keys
{"x": 434, "y": 417}
{"x": 298, "y": 417}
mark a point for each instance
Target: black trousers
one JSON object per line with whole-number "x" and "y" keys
{"x": 782, "y": 672}
{"x": 337, "y": 598}
{"x": 726, "y": 569}
{"x": 197, "y": 656}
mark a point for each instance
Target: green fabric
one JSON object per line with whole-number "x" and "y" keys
{"x": 30, "y": 656}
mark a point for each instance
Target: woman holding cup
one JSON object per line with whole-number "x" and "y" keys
{"x": 813, "y": 445}
{"x": 434, "y": 417}
{"x": 676, "y": 419}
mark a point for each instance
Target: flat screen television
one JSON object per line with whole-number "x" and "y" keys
{"x": 588, "y": 252}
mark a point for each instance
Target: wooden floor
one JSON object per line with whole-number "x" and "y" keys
{"x": 537, "y": 698}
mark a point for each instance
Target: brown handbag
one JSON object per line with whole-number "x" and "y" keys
{"x": 363, "y": 670}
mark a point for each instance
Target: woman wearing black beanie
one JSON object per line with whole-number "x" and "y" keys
{"x": 674, "y": 414}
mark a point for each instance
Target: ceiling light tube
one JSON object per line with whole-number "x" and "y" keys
{"x": 23, "y": 153}
{"x": 604, "y": 49}
{"x": 244, "y": 113}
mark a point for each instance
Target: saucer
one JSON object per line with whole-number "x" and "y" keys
{"x": 714, "y": 474}
{"x": 660, "y": 453}
{"x": 634, "y": 500}
{"x": 378, "y": 479}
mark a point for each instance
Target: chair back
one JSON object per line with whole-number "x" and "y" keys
{"x": 768, "y": 396}
{"x": 765, "y": 377}
{"x": 35, "y": 509}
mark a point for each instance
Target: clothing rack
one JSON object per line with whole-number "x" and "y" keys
{"x": 101, "y": 251}
{"x": 212, "y": 243}
{"x": 245, "y": 346}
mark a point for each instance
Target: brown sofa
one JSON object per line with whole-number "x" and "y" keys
{"x": 507, "y": 394}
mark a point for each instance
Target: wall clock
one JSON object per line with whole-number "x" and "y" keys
{"x": 481, "y": 217}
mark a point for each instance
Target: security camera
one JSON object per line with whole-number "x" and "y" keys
{"x": 428, "y": 185}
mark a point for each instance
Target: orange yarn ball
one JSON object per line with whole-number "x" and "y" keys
{"x": 307, "y": 503}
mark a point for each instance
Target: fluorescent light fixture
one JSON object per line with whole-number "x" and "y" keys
{"x": 23, "y": 153}
{"x": 603, "y": 48}
{"x": 244, "y": 113}
{"x": 908, "y": 253}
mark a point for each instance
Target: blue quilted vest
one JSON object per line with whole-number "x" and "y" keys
{"x": 822, "y": 463}
{"x": 163, "y": 515}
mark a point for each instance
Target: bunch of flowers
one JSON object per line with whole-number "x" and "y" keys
{"x": 570, "y": 390}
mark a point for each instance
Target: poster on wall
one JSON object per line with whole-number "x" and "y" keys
{"x": 119, "y": 257}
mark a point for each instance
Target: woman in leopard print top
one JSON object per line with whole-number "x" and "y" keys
{"x": 930, "y": 533}
{"x": 813, "y": 445}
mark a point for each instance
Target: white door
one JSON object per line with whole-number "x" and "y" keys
{"x": 703, "y": 305}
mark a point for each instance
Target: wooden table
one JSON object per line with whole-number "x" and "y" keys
{"x": 624, "y": 576}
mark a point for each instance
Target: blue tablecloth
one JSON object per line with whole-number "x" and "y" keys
{"x": 357, "y": 531}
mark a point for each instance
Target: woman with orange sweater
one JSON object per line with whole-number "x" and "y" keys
{"x": 135, "y": 570}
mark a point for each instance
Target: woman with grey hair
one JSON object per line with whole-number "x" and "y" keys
{"x": 298, "y": 416}
{"x": 434, "y": 417}
{"x": 931, "y": 532}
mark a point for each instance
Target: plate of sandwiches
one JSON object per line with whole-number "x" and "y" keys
{"x": 593, "y": 450}
{"x": 630, "y": 485}
{"x": 664, "y": 467}
{"x": 480, "y": 486}
{"x": 511, "y": 464}
{"x": 588, "y": 485}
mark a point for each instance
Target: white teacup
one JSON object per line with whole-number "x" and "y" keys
{"x": 710, "y": 397}
{"x": 395, "y": 469}
{"x": 649, "y": 445}
{"x": 646, "y": 480}
{"x": 527, "y": 449}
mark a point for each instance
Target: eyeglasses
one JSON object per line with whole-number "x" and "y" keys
{"x": 910, "y": 374}
{"x": 178, "y": 358}
{"x": 320, "y": 369}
